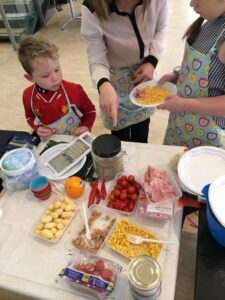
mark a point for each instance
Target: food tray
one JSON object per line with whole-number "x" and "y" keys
{"x": 170, "y": 179}
{"x": 128, "y": 199}
{"x": 54, "y": 221}
{"x": 100, "y": 220}
{"x": 118, "y": 235}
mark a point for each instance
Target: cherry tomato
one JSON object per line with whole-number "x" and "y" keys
{"x": 131, "y": 178}
{"x": 131, "y": 206}
{"x": 123, "y": 196}
{"x": 131, "y": 190}
{"x": 111, "y": 197}
{"x": 124, "y": 183}
{"x": 100, "y": 265}
{"x": 134, "y": 197}
{"x": 107, "y": 274}
{"x": 89, "y": 268}
{"x": 124, "y": 177}
{"x": 120, "y": 205}
{"x": 117, "y": 193}
{"x": 96, "y": 273}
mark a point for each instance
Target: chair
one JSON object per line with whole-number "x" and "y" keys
{"x": 73, "y": 15}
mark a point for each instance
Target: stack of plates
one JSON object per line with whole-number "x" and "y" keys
{"x": 200, "y": 166}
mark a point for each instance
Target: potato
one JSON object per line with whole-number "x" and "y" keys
{"x": 67, "y": 214}
{"x": 46, "y": 233}
{"x": 70, "y": 207}
{"x": 50, "y": 225}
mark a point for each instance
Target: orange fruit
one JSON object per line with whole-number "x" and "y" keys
{"x": 74, "y": 187}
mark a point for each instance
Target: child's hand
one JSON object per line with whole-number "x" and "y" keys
{"x": 173, "y": 103}
{"x": 44, "y": 131}
{"x": 169, "y": 77}
{"x": 79, "y": 130}
{"x": 143, "y": 73}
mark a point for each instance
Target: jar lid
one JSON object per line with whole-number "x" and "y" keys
{"x": 106, "y": 145}
{"x": 144, "y": 273}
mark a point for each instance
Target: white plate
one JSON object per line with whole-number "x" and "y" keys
{"x": 48, "y": 154}
{"x": 216, "y": 199}
{"x": 168, "y": 85}
{"x": 201, "y": 166}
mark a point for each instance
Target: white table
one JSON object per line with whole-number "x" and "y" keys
{"x": 30, "y": 267}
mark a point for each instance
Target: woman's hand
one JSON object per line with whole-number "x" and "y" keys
{"x": 169, "y": 77}
{"x": 173, "y": 103}
{"x": 108, "y": 101}
{"x": 143, "y": 73}
{"x": 44, "y": 131}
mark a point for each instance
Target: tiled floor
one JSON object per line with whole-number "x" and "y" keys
{"x": 75, "y": 68}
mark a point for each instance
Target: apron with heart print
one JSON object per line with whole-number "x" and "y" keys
{"x": 192, "y": 129}
{"x": 128, "y": 113}
{"x": 67, "y": 123}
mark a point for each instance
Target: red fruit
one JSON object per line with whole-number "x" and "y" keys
{"x": 80, "y": 267}
{"x": 120, "y": 205}
{"x": 100, "y": 266}
{"x": 96, "y": 273}
{"x": 131, "y": 206}
{"x": 123, "y": 196}
{"x": 134, "y": 197}
{"x": 110, "y": 205}
{"x": 124, "y": 183}
{"x": 89, "y": 268}
{"x": 117, "y": 193}
{"x": 131, "y": 190}
{"x": 124, "y": 177}
{"x": 138, "y": 186}
{"x": 131, "y": 178}
{"x": 107, "y": 274}
{"x": 111, "y": 197}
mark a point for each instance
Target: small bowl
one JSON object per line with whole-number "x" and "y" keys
{"x": 41, "y": 187}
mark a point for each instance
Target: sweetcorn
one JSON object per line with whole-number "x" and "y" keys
{"x": 151, "y": 95}
{"x": 118, "y": 240}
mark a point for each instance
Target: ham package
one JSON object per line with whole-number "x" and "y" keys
{"x": 156, "y": 185}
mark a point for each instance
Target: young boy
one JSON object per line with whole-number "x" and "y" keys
{"x": 52, "y": 105}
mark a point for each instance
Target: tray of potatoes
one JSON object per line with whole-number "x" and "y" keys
{"x": 55, "y": 219}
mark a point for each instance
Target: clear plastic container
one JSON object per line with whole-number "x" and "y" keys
{"x": 18, "y": 167}
{"x": 107, "y": 156}
{"x": 117, "y": 240}
{"x": 55, "y": 220}
{"x": 90, "y": 274}
{"x": 124, "y": 192}
{"x": 100, "y": 221}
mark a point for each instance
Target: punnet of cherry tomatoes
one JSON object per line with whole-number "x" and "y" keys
{"x": 124, "y": 194}
{"x": 91, "y": 273}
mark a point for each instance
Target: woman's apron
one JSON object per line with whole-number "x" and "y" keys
{"x": 67, "y": 123}
{"x": 128, "y": 113}
{"x": 192, "y": 129}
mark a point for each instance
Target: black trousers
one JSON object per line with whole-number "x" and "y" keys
{"x": 134, "y": 133}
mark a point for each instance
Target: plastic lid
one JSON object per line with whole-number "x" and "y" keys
{"x": 144, "y": 273}
{"x": 106, "y": 145}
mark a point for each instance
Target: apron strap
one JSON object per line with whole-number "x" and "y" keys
{"x": 217, "y": 43}
{"x": 78, "y": 112}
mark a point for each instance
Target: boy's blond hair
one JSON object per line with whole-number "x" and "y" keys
{"x": 33, "y": 46}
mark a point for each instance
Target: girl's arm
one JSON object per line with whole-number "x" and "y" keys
{"x": 214, "y": 106}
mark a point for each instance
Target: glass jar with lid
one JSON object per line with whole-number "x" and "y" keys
{"x": 144, "y": 275}
{"x": 107, "y": 156}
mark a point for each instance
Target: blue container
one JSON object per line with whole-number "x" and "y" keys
{"x": 215, "y": 228}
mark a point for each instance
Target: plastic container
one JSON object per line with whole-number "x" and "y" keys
{"x": 54, "y": 221}
{"x": 145, "y": 277}
{"x": 107, "y": 156}
{"x": 169, "y": 178}
{"x": 91, "y": 274}
{"x": 100, "y": 221}
{"x": 18, "y": 167}
{"x": 117, "y": 240}
{"x": 124, "y": 192}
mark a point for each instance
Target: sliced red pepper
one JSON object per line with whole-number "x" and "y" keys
{"x": 93, "y": 192}
{"x": 103, "y": 190}
{"x": 98, "y": 196}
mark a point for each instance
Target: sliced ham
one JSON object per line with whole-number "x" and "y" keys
{"x": 157, "y": 186}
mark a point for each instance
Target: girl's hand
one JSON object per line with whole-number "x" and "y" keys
{"x": 173, "y": 103}
{"x": 143, "y": 73}
{"x": 108, "y": 101}
{"x": 44, "y": 131}
{"x": 79, "y": 130}
{"x": 169, "y": 77}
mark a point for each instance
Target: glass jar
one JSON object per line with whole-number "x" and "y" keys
{"x": 107, "y": 156}
{"x": 144, "y": 275}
